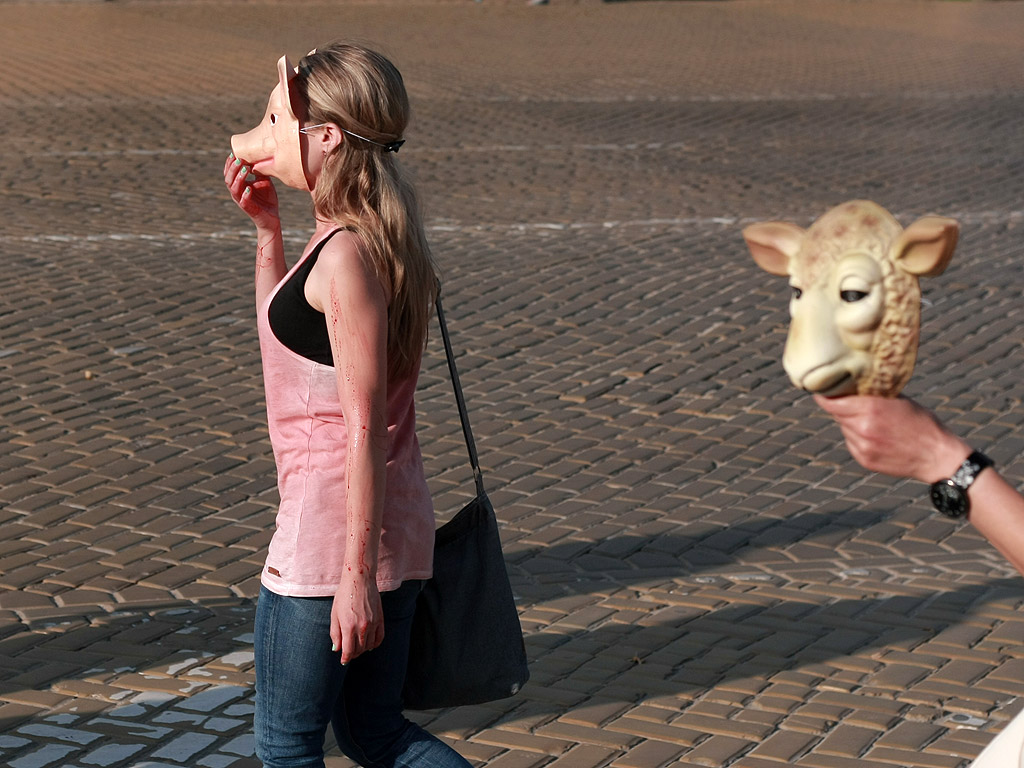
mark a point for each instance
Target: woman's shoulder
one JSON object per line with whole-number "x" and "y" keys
{"x": 343, "y": 263}
{"x": 341, "y": 246}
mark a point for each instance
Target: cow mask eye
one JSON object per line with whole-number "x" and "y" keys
{"x": 797, "y": 292}
{"x": 851, "y": 296}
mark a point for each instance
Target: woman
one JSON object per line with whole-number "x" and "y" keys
{"x": 341, "y": 335}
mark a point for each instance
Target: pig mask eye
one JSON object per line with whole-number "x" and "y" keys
{"x": 796, "y": 293}
{"x": 273, "y": 119}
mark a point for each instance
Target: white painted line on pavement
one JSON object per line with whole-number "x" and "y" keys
{"x": 657, "y": 146}
{"x": 302, "y": 235}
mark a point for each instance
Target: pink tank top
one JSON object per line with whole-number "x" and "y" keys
{"x": 308, "y": 435}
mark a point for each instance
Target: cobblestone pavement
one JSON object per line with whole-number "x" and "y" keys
{"x": 705, "y": 577}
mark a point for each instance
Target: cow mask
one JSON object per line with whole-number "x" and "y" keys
{"x": 856, "y": 303}
{"x": 273, "y": 147}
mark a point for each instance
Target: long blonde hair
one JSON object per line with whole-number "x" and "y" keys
{"x": 364, "y": 187}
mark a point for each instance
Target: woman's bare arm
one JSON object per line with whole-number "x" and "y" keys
{"x": 345, "y": 288}
{"x": 258, "y": 199}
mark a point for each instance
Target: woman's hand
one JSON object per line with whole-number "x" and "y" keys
{"x": 257, "y": 198}
{"x": 357, "y": 619}
{"x": 896, "y": 436}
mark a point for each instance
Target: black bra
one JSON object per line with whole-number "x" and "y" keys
{"x": 294, "y": 322}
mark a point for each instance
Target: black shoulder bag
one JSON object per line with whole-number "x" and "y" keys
{"x": 467, "y": 643}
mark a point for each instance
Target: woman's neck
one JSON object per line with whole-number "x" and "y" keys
{"x": 323, "y": 226}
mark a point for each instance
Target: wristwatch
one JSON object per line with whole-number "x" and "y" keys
{"x": 950, "y": 496}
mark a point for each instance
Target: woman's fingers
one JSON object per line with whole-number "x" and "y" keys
{"x": 255, "y": 197}
{"x": 234, "y": 177}
{"x": 350, "y": 646}
{"x": 356, "y": 640}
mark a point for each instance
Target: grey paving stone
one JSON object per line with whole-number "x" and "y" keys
{"x": 687, "y": 538}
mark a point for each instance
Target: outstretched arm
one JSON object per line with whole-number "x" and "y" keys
{"x": 898, "y": 437}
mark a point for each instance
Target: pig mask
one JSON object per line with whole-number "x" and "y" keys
{"x": 856, "y": 302}
{"x": 273, "y": 146}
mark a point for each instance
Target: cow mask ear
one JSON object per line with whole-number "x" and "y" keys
{"x": 925, "y": 248}
{"x": 773, "y": 244}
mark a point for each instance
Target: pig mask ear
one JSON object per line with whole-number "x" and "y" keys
{"x": 925, "y": 248}
{"x": 285, "y": 73}
{"x": 773, "y": 244}
{"x": 288, "y": 162}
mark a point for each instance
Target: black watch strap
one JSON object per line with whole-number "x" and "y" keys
{"x": 950, "y": 496}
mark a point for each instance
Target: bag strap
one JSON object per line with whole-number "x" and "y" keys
{"x": 478, "y": 476}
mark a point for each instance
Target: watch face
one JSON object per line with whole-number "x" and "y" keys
{"x": 949, "y": 499}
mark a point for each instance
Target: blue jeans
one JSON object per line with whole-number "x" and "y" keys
{"x": 301, "y": 687}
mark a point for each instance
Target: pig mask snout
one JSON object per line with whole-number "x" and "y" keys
{"x": 254, "y": 146}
